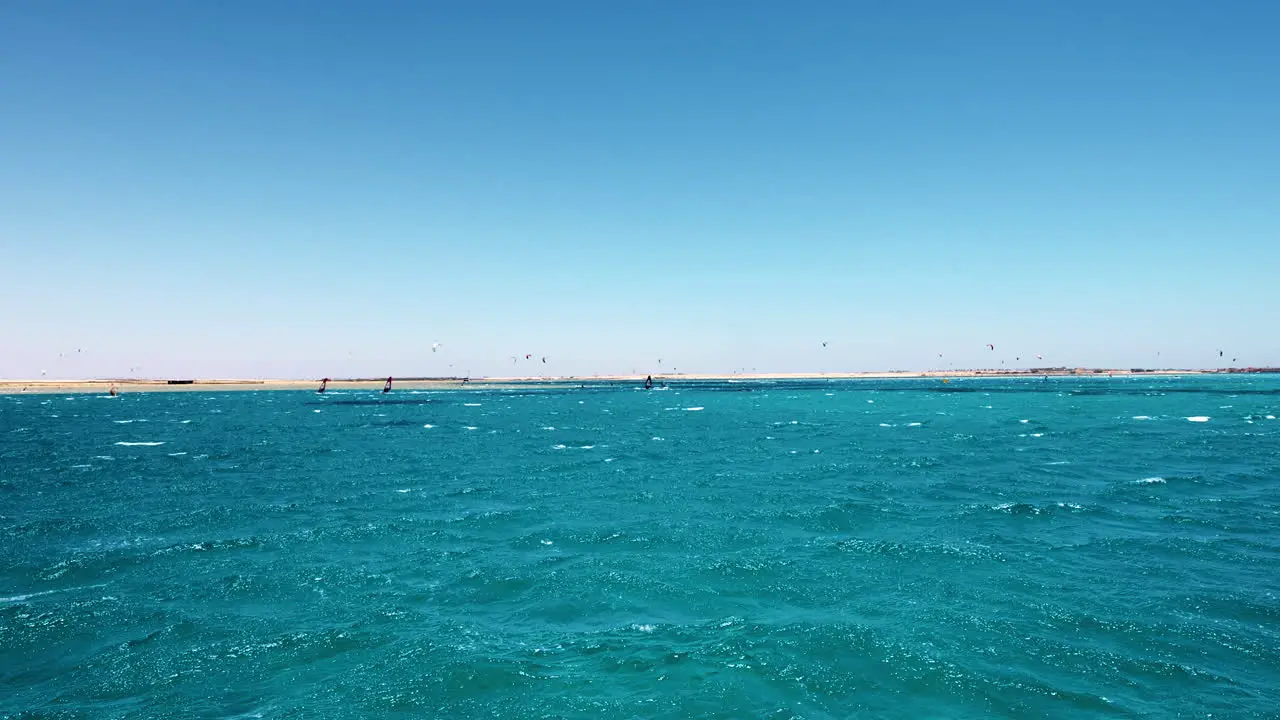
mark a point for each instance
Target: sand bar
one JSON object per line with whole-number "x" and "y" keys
{"x": 103, "y": 386}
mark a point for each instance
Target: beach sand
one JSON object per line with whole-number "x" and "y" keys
{"x": 207, "y": 385}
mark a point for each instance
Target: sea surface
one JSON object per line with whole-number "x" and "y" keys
{"x": 1062, "y": 548}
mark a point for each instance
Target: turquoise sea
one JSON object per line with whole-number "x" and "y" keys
{"x": 1069, "y": 548}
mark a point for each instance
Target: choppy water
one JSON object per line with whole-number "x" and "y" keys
{"x": 1071, "y": 548}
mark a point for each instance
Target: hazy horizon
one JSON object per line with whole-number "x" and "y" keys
{"x": 298, "y": 190}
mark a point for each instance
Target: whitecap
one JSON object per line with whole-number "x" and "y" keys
{"x": 315, "y": 411}
{"x": 644, "y": 628}
{"x": 177, "y": 454}
{"x": 586, "y": 447}
{"x": 559, "y": 447}
{"x": 428, "y": 425}
{"x": 470, "y": 427}
{"x": 1198, "y": 418}
{"x": 546, "y": 542}
{"x": 549, "y": 427}
{"x": 609, "y": 459}
{"x": 142, "y": 444}
{"x": 126, "y": 422}
{"x": 655, "y": 437}
{"x": 1037, "y": 434}
{"x": 914, "y": 424}
{"x": 404, "y": 490}
{"x": 1271, "y": 417}
{"x": 871, "y": 401}
{"x": 885, "y": 425}
{"x": 1141, "y": 417}
{"x": 24, "y": 598}
{"x": 471, "y": 404}
{"x": 1151, "y": 481}
{"x": 1024, "y": 422}
{"x": 81, "y": 466}
{"x": 694, "y": 409}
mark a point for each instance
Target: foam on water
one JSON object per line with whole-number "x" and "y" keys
{"x": 140, "y": 444}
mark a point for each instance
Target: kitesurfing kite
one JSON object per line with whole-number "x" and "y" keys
{"x": 435, "y": 347}
{"x": 990, "y": 346}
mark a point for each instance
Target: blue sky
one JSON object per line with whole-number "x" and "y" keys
{"x": 296, "y": 189}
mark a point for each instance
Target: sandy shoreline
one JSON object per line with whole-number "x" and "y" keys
{"x": 207, "y": 385}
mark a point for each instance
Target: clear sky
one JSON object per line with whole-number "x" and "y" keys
{"x": 297, "y": 189}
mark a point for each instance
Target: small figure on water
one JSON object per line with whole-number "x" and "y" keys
{"x": 648, "y": 383}
{"x": 324, "y": 382}
{"x": 387, "y": 387}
